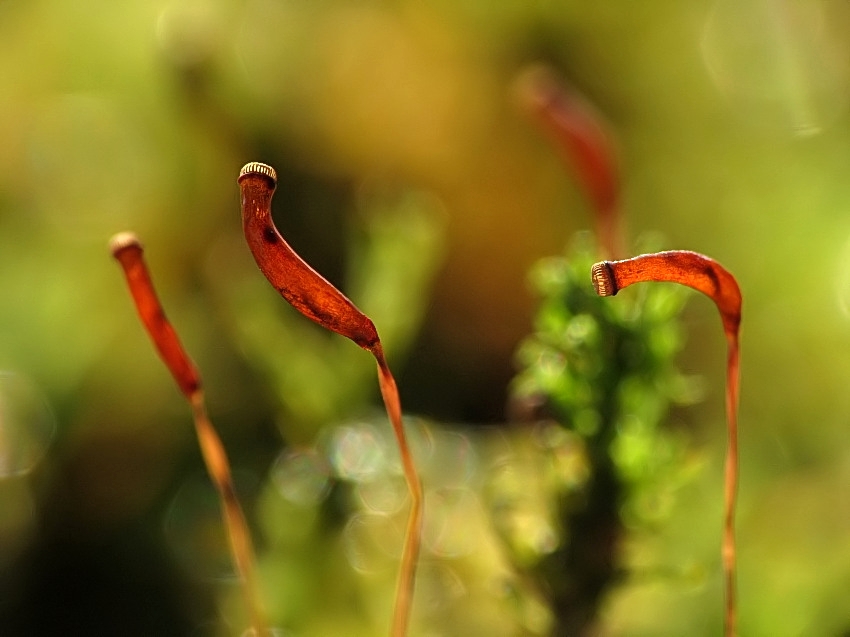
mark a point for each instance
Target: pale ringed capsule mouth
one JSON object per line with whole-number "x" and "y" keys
{"x": 122, "y": 241}
{"x": 603, "y": 279}
{"x": 258, "y": 168}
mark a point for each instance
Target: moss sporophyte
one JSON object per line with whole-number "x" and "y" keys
{"x": 317, "y": 299}
{"x": 127, "y": 249}
{"x": 707, "y": 276}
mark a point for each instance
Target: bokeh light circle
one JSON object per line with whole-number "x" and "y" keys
{"x": 27, "y": 425}
{"x": 301, "y": 476}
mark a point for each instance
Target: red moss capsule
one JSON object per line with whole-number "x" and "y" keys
{"x": 304, "y": 288}
{"x": 585, "y": 145}
{"x": 127, "y": 249}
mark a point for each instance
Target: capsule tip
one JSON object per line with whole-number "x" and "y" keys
{"x": 122, "y": 241}
{"x": 603, "y": 279}
{"x": 257, "y": 168}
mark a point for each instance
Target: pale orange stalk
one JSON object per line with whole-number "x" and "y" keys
{"x": 127, "y": 249}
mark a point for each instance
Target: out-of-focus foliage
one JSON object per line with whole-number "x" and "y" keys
{"x": 605, "y": 371}
{"x": 410, "y": 178}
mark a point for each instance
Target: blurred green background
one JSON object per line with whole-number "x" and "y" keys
{"x": 412, "y": 178}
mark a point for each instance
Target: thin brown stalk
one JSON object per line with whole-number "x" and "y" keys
{"x": 127, "y": 249}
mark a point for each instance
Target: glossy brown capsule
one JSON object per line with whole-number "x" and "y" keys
{"x": 127, "y": 249}
{"x": 584, "y": 143}
{"x": 304, "y": 288}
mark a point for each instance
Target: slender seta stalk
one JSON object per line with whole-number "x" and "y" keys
{"x": 709, "y": 277}
{"x": 317, "y": 299}
{"x": 127, "y": 249}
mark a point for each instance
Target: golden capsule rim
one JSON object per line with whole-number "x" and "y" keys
{"x": 258, "y": 168}
{"x": 123, "y": 240}
{"x": 603, "y": 279}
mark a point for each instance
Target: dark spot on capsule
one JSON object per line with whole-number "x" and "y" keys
{"x": 270, "y": 236}
{"x": 715, "y": 280}
{"x": 159, "y": 315}
{"x": 190, "y": 386}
